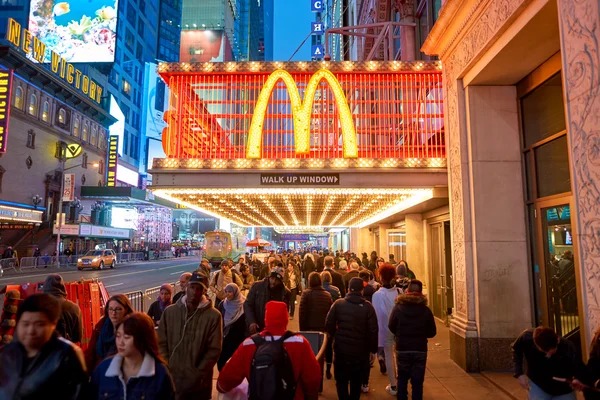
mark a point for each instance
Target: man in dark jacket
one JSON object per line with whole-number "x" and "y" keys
{"x": 336, "y": 278}
{"x": 353, "y": 273}
{"x": 320, "y": 262}
{"x": 352, "y": 324}
{"x": 412, "y": 323}
{"x": 548, "y": 356}
{"x": 40, "y": 364}
{"x": 69, "y": 324}
{"x": 271, "y": 288}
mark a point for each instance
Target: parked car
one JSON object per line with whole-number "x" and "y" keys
{"x": 97, "y": 259}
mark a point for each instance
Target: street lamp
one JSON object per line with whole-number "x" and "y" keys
{"x": 36, "y": 201}
{"x": 63, "y": 155}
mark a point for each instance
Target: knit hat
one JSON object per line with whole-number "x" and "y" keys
{"x": 356, "y": 285}
{"x": 277, "y": 272}
{"x": 55, "y": 285}
{"x": 199, "y": 278}
{"x": 276, "y": 317}
{"x": 166, "y": 287}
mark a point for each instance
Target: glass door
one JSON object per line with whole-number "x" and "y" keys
{"x": 397, "y": 243}
{"x": 559, "y": 283}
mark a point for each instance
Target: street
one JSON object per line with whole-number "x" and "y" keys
{"x": 123, "y": 278}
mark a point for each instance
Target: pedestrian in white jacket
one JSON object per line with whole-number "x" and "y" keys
{"x": 384, "y": 301}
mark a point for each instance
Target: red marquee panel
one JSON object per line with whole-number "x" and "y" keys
{"x": 397, "y": 110}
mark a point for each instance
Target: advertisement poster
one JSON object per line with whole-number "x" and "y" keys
{"x": 204, "y": 46}
{"x": 5, "y": 90}
{"x": 69, "y": 188}
{"x": 81, "y": 31}
{"x": 191, "y": 223}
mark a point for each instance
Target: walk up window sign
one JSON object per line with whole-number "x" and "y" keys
{"x": 6, "y": 76}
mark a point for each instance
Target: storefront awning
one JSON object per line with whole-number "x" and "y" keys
{"x": 130, "y": 195}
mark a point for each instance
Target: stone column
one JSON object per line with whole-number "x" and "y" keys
{"x": 415, "y": 246}
{"x": 355, "y": 240}
{"x": 580, "y": 38}
{"x": 383, "y": 250}
{"x": 408, "y": 34}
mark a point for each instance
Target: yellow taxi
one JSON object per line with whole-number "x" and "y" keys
{"x": 97, "y": 259}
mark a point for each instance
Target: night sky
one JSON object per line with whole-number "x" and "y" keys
{"x": 292, "y": 25}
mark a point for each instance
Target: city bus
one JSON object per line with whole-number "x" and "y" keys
{"x": 217, "y": 246}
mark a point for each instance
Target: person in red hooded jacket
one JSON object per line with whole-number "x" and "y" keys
{"x": 306, "y": 367}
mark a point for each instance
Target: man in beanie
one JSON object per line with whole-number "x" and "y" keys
{"x": 412, "y": 323}
{"x": 352, "y": 324}
{"x": 69, "y": 324}
{"x": 307, "y": 372}
{"x": 269, "y": 289}
{"x": 190, "y": 338}
{"x": 204, "y": 267}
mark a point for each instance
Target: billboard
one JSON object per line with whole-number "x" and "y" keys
{"x": 80, "y": 31}
{"x": 191, "y": 223}
{"x": 5, "y": 90}
{"x": 204, "y": 46}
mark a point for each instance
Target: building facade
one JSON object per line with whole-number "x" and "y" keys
{"x": 521, "y": 99}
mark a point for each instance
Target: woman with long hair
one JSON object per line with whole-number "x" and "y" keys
{"x": 102, "y": 343}
{"x": 234, "y": 322}
{"x": 162, "y": 301}
{"x": 137, "y": 371}
{"x": 589, "y": 382}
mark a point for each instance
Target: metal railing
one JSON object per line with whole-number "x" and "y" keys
{"x": 8, "y": 263}
{"x": 137, "y": 300}
{"x": 141, "y": 300}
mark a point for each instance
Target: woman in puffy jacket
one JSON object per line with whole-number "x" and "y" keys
{"x": 137, "y": 371}
{"x": 314, "y": 305}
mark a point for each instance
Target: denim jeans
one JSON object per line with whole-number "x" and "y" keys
{"x": 535, "y": 393}
{"x": 411, "y": 366}
{"x": 349, "y": 370}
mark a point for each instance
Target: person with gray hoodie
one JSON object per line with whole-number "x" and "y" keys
{"x": 70, "y": 325}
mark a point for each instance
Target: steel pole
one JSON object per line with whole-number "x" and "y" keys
{"x": 60, "y": 205}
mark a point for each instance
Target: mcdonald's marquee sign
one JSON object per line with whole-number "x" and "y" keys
{"x": 315, "y": 110}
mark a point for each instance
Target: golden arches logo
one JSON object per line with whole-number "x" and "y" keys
{"x": 301, "y": 113}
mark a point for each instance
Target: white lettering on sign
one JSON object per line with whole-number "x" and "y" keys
{"x": 299, "y": 179}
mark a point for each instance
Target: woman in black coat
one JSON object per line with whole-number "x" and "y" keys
{"x": 591, "y": 375}
{"x": 314, "y": 305}
{"x": 234, "y": 322}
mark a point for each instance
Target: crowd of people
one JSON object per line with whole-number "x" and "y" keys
{"x": 236, "y": 318}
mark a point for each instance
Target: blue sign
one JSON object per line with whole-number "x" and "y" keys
{"x": 318, "y": 51}
{"x": 318, "y": 28}
{"x": 316, "y": 5}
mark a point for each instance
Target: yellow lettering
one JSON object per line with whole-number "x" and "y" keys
{"x": 39, "y": 49}
{"x": 63, "y": 68}
{"x": 70, "y": 71}
{"x": 26, "y": 41}
{"x": 99, "y": 94}
{"x": 301, "y": 112}
{"x": 14, "y": 32}
{"x": 78, "y": 78}
{"x": 55, "y": 61}
{"x": 93, "y": 90}
{"x": 85, "y": 88}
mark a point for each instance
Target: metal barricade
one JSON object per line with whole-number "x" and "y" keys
{"x": 65, "y": 261}
{"x": 139, "y": 256}
{"x": 166, "y": 254}
{"x": 8, "y": 263}
{"x": 123, "y": 257}
{"x": 137, "y": 300}
{"x": 151, "y": 294}
{"x": 28, "y": 263}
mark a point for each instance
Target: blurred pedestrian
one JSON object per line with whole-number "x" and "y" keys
{"x": 292, "y": 279}
{"x": 190, "y": 336}
{"x": 352, "y": 324}
{"x": 234, "y": 322}
{"x": 222, "y": 278}
{"x": 589, "y": 380}
{"x": 70, "y": 323}
{"x": 102, "y": 343}
{"x": 336, "y": 278}
{"x": 412, "y": 323}
{"x": 368, "y": 290}
{"x": 162, "y": 301}
{"x": 270, "y": 289}
{"x": 290, "y": 374}
{"x": 39, "y": 364}
{"x": 183, "y": 281}
{"x": 137, "y": 371}
{"x": 332, "y": 290}
{"x": 314, "y": 305}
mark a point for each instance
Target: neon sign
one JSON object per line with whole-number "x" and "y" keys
{"x": 5, "y": 89}
{"x": 113, "y": 161}
{"x": 301, "y": 112}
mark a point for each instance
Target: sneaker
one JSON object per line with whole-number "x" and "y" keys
{"x": 391, "y": 390}
{"x": 365, "y": 388}
{"x": 382, "y": 367}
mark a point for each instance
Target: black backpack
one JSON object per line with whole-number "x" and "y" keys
{"x": 271, "y": 373}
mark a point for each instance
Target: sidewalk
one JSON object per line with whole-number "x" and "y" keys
{"x": 444, "y": 380}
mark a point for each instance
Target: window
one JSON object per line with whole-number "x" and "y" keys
{"x": 101, "y": 167}
{"x": 19, "y": 97}
{"x": 84, "y": 160}
{"x": 126, "y": 87}
{"x": 46, "y": 112}
{"x": 33, "y": 104}
{"x": 94, "y": 140}
{"x": 102, "y": 140}
{"x": 31, "y": 139}
{"x": 86, "y": 132}
{"x": 62, "y": 115}
{"x": 140, "y": 27}
{"x": 76, "y": 127}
